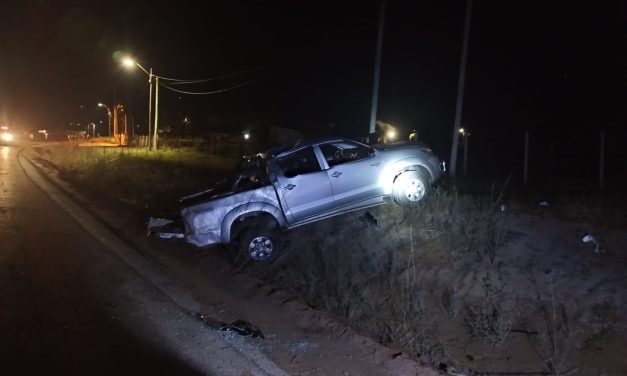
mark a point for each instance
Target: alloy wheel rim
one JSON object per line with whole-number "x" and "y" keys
{"x": 260, "y": 248}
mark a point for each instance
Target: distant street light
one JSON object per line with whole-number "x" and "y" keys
{"x": 108, "y": 114}
{"x": 131, "y": 63}
{"x": 246, "y": 135}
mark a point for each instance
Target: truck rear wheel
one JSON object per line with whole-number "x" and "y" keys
{"x": 259, "y": 243}
{"x": 411, "y": 187}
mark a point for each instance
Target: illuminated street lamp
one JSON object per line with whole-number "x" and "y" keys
{"x": 131, "y": 63}
{"x": 108, "y": 114}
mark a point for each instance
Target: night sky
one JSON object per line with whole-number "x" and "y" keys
{"x": 309, "y": 64}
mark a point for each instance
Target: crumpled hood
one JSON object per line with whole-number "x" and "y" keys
{"x": 401, "y": 150}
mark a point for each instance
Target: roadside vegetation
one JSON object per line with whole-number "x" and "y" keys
{"x": 483, "y": 284}
{"x": 151, "y": 182}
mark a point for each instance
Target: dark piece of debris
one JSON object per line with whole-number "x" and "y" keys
{"x": 243, "y": 328}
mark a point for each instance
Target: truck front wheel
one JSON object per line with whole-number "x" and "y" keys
{"x": 259, "y": 243}
{"x": 411, "y": 187}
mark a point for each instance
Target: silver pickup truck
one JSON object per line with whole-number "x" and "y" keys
{"x": 302, "y": 183}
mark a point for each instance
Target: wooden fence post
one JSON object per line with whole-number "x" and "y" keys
{"x": 526, "y": 165}
{"x": 602, "y": 160}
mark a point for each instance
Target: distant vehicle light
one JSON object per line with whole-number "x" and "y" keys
{"x": 391, "y": 135}
{"x": 7, "y": 137}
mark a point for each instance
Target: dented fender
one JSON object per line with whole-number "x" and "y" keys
{"x": 248, "y": 210}
{"x": 209, "y": 222}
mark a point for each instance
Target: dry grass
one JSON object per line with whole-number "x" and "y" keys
{"x": 150, "y": 181}
{"x": 404, "y": 277}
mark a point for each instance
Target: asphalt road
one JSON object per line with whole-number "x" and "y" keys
{"x": 71, "y": 306}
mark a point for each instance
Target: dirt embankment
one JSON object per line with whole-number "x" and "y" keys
{"x": 463, "y": 283}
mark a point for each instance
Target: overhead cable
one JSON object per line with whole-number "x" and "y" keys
{"x": 190, "y": 81}
{"x": 213, "y": 91}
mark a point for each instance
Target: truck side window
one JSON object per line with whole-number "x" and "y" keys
{"x": 301, "y": 162}
{"x": 343, "y": 152}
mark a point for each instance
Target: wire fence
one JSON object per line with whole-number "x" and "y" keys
{"x": 214, "y": 144}
{"x": 585, "y": 159}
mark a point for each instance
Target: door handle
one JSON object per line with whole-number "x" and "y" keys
{"x": 336, "y": 174}
{"x": 289, "y": 187}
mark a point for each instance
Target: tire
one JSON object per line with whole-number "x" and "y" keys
{"x": 259, "y": 243}
{"x": 411, "y": 188}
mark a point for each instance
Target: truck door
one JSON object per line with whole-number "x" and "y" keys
{"x": 354, "y": 171}
{"x": 304, "y": 188}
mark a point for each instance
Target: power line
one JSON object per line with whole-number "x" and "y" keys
{"x": 213, "y": 91}
{"x": 286, "y": 61}
{"x": 193, "y": 81}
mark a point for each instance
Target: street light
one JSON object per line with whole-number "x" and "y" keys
{"x": 108, "y": 114}
{"x": 131, "y": 63}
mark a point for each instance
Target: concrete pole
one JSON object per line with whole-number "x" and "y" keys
{"x": 150, "y": 109}
{"x": 460, "y": 91}
{"x": 109, "y": 116}
{"x": 115, "y": 121}
{"x": 377, "y": 71}
{"x": 154, "y": 139}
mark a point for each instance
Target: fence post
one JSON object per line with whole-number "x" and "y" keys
{"x": 526, "y": 165}
{"x": 466, "y": 153}
{"x": 602, "y": 160}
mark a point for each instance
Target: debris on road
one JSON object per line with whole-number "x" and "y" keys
{"x": 241, "y": 327}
